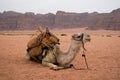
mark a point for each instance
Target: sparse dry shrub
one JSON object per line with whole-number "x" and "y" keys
{"x": 63, "y": 34}
{"x": 109, "y": 35}
{"x": 118, "y": 35}
{"x": 102, "y": 35}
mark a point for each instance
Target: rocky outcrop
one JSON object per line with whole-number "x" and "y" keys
{"x": 69, "y": 20}
{"x": 17, "y": 21}
{"x": 108, "y": 21}
{"x": 11, "y": 20}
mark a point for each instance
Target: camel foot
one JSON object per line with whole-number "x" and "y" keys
{"x": 68, "y": 66}
{"x": 57, "y": 68}
{"x": 71, "y": 65}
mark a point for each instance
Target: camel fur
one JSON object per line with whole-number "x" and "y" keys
{"x": 57, "y": 59}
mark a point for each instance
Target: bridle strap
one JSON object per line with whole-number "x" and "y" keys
{"x": 83, "y": 45}
{"x": 82, "y": 35}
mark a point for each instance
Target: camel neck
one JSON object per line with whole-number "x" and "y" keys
{"x": 68, "y": 57}
{"x": 73, "y": 49}
{"x": 74, "y": 46}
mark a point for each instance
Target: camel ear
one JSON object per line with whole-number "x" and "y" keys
{"x": 47, "y": 30}
{"x": 73, "y": 36}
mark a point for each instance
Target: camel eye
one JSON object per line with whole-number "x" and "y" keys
{"x": 78, "y": 36}
{"x": 88, "y": 35}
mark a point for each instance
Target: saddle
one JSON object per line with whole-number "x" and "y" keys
{"x": 39, "y": 43}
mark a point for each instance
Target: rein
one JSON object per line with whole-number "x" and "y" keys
{"x": 83, "y": 42}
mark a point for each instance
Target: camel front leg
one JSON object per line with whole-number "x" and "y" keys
{"x": 51, "y": 65}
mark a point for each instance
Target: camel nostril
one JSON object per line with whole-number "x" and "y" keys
{"x": 78, "y": 36}
{"x": 88, "y": 35}
{"x": 58, "y": 40}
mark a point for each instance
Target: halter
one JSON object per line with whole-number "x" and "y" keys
{"x": 83, "y": 42}
{"x": 82, "y": 35}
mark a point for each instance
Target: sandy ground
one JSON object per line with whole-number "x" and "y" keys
{"x": 103, "y": 56}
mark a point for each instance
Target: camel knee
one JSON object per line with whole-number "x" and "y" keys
{"x": 48, "y": 64}
{"x": 52, "y": 66}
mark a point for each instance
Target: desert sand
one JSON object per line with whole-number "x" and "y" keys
{"x": 103, "y": 57}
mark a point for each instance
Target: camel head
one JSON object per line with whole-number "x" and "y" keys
{"x": 81, "y": 37}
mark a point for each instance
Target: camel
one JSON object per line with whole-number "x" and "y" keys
{"x": 57, "y": 59}
{"x": 39, "y": 44}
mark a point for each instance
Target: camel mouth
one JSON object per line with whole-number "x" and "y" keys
{"x": 58, "y": 43}
{"x": 88, "y": 39}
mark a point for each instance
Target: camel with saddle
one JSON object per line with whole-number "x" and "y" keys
{"x": 53, "y": 57}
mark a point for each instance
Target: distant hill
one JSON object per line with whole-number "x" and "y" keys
{"x": 10, "y": 20}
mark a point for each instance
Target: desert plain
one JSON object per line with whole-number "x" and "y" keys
{"x": 103, "y": 57}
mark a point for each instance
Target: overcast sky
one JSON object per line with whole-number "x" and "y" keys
{"x": 46, "y": 6}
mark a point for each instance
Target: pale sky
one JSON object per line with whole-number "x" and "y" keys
{"x": 52, "y": 6}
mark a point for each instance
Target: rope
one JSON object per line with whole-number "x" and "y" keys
{"x": 83, "y": 55}
{"x": 78, "y": 68}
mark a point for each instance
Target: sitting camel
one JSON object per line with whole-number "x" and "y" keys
{"x": 39, "y": 44}
{"x": 57, "y": 59}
